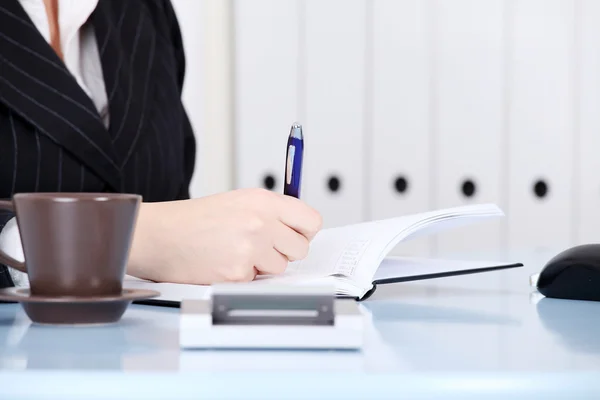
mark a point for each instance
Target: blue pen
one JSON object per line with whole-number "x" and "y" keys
{"x": 293, "y": 164}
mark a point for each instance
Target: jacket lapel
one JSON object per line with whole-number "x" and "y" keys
{"x": 127, "y": 51}
{"x": 35, "y": 84}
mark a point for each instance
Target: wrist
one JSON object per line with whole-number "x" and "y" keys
{"x": 143, "y": 254}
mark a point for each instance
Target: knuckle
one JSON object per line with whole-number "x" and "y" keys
{"x": 255, "y": 223}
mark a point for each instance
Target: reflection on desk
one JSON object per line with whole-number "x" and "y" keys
{"x": 126, "y": 345}
{"x": 572, "y": 324}
{"x": 463, "y": 337}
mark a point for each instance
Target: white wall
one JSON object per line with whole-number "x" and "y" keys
{"x": 206, "y": 27}
{"x": 442, "y": 97}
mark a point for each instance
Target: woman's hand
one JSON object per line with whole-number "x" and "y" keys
{"x": 231, "y": 236}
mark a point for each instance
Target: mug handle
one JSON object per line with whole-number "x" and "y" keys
{"x": 5, "y": 258}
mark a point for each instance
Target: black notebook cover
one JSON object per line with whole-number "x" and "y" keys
{"x": 437, "y": 275}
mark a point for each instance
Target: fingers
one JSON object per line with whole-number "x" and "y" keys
{"x": 288, "y": 245}
{"x": 240, "y": 274}
{"x": 299, "y": 216}
{"x": 288, "y": 242}
{"x": 251, "y": 274}
{"x": 272, "y": 262}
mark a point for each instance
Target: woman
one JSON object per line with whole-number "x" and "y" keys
{"x": 90, "y": 101}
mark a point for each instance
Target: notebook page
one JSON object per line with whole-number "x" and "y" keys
{"x": 357, "y": 250}
{"x": 437, "y": 221}
{"x": 334, "y": 251}
{"x": 349, "y": 250}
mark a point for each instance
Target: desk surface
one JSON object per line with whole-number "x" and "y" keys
{"x": 478, "y": 336}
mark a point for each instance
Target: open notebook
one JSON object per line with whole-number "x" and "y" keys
{"x": 354, "y": 257}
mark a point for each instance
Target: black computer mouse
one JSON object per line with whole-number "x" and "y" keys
{"x": 572, "y": 274}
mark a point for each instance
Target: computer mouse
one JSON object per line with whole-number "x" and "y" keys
{"x": 572, "y": 274}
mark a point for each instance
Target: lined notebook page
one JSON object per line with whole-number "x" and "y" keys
{"x": 334, "y": 251}
{"x": 357, "y": 250}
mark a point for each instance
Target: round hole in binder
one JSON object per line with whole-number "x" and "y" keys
{"x": 540, "y": 188}
{"x": 400, "y": 184}
{"x": 468, "y": 188}
{"x": 269, "y": 182}
{"x": 333, "y": 183}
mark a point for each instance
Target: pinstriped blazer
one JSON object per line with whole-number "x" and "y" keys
{"x": 52, "y": 138}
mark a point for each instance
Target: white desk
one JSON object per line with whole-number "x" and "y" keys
{"x": 469, "y": 337}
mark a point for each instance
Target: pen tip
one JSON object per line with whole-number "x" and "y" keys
{"x": 296, "y": 130}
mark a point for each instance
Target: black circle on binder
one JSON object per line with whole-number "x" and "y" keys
{"x": 401, "y": 184}
{"x": 269, "y": 182}
{"x": 540, "y": 188}
{"x": 468, "y": 188}
{"x": 333, "y": 183}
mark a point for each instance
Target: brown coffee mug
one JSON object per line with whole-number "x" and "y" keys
{"x": 74, "y": 244}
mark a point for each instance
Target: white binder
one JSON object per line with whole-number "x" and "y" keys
{"x": 266, "y": 89}
{"x": 469, "y": 117}
{"x": 399, "y": 151}
{"x": 334, "y": 61}
{"x": 541, "y": 124}
{"x": 587, "y": 209}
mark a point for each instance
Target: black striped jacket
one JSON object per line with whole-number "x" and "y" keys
{"x": 52, "y": 138}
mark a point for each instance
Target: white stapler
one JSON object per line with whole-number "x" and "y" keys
{"x": 248, "y": 316}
